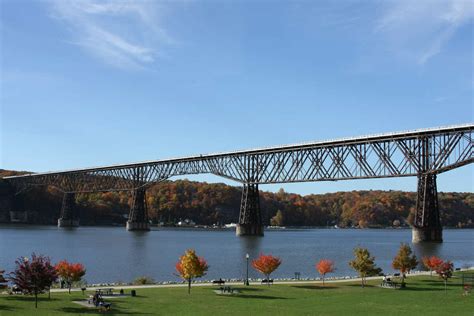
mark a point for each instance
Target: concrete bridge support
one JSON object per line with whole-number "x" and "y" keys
{"x": 69, "y": 216}
{"x": 427, "y": 224}
{"x": 250, "y": 218}
{"x": 138, "y": 217}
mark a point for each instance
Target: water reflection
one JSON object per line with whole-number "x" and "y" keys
{"x": 111, "y": 253}
{"x": 426, "y": 250}
{"x": 251, "y": 245}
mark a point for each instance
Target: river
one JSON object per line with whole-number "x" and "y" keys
{"x": 112, "y": 254}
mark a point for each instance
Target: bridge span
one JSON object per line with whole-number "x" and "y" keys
{"x": 422, "y": 153}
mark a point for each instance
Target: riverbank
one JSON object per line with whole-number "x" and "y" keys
{"x": 424, "y": 295}
{"x": 236, "y": 282}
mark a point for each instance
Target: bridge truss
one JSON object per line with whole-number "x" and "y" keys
{"x": 422, "y": 153}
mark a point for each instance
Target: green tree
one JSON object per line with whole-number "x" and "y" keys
{"x": 364, "y": 264}
{"x": 404, "y": 261}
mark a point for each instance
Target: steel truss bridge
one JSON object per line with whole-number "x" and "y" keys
{"x": 423, "y": 153}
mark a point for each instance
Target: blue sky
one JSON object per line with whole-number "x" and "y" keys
{"x": 90, "y": 83}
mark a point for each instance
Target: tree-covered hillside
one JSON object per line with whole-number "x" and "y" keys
{"x": 211, "y": 203}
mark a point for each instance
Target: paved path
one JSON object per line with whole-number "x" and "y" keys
{"x": 152, "y": 286}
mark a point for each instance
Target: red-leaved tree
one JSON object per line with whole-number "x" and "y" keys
{"x": 266, "y": 264}
{"x": 431, "y": 263}
{"x": 445, "y": 271}
{"x": 33, "y": 276}
{"x": 325, "y": 266}
{"x": 70, "y": 272}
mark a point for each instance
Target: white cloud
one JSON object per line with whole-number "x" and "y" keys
{"x": 124, "y": 34}
{"x": 419, "y": 29}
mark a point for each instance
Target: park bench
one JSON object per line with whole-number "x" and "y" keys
{"x": 109, "y": 291}
{"x": 16, "y": 290}
{"x": 389, "y": 284}
{"x": 269, "y": 281}
{"x": 104, "y": 307}
{"x": 218, "y": 282}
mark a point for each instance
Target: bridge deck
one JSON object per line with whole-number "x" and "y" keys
{"x": 367, "y": 139}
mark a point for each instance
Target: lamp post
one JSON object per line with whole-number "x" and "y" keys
{"x": 247, "y": 278}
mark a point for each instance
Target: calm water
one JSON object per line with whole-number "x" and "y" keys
{"x": 112, "y": 254}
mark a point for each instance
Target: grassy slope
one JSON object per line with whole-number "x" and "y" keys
{"x": 424, "y": 296}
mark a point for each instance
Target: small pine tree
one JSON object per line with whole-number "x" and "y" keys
{"x": 404, "y": 261}
{"x": 364, "y": 264}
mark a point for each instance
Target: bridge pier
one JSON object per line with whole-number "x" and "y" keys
{"x": 427, "y": 224}
{"x": 68, "y": 216}
{"x": 250, "y": 218}
{"x": 138, "y": 217}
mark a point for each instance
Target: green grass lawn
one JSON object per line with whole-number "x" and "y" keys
{"x": 424, "y": 295}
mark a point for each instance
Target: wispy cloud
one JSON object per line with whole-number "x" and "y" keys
{"x": 419, "y": 29}
{"x": 124, "y": 34}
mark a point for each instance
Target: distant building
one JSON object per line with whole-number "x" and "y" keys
{"x": 187, "y": 223}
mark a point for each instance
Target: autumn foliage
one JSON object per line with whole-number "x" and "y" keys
{"x": 191, "y": 266}
{"x": 325, "y": 266}
{"x": 33, "y": 276}
{"x": 404, "y": 261}
{"x": 364, "y": 264}
{"x": 431, "y": 263}
{"x": 445, "y": 271}
{"x": 70, "y": 272}
{"x": 266, "y": 264}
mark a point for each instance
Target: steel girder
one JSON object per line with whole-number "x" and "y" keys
{"x": 390, "y": 155}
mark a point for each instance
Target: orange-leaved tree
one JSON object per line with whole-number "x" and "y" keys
{"x": 325, "y": 266}
{"x": 266, "y": 264}
{"x": 431, "y": 263}
{"x": 70, "y": 272}
{"x": 404, "y": 261}
{"x": 191, "y": 266}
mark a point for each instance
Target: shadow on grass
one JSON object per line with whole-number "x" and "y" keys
{"x": 423, "y": 289}
{"x": 30, "y": 298}
{"x": 245, "y": 289}
{"x": 85, "y": 310}
{"x": 359, "y": 285}
{"x": 6, "y": 308}
{"x": 441, "y": 283}
{"x": 115, "y": 310}
{"x": 314, "y": 287}
{"x": 263, "y": 297}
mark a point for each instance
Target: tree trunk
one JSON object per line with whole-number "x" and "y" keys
{"x": 362, "y": 281}
{"x": 445, "y": 285}
{"x": 268, "y": 279}
{"x": 189, "y": 286}
{"x": 69, "y": 288}
{"x": 323, "y": 279}
{"x": 49, "y": 293}
{"x": 36, "y": 299}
